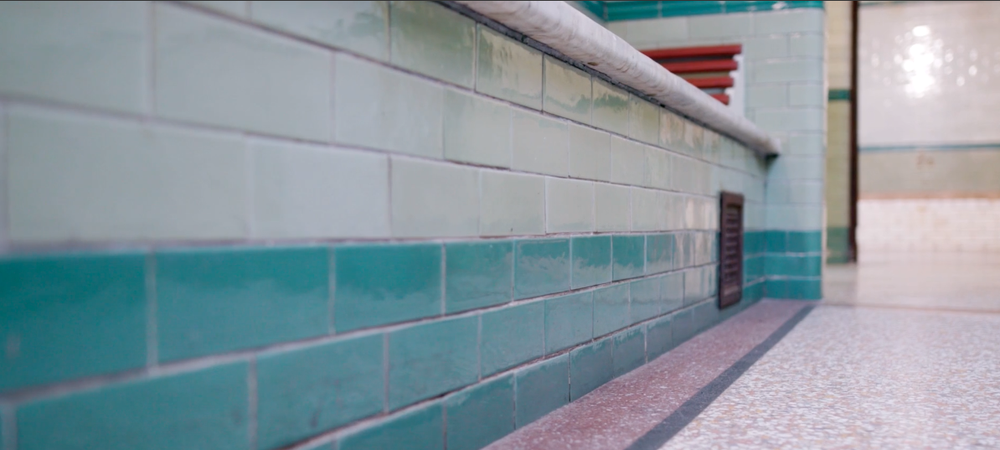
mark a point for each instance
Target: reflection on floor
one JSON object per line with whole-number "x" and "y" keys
{"x": 903, "y": 353}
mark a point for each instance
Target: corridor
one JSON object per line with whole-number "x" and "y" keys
{"x": 903, "y": 353}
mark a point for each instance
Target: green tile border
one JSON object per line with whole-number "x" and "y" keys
{"x": 839, "y": 94}
{"x": 928, "y": 147}
{"x": 637, "y": 10}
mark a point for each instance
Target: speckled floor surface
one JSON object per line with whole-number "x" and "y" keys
{"x": 904, "y": 353}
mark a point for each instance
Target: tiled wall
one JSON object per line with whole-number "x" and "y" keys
{"x": 258, "y": 225}
{"x": 968, "y": 225}
{"x": 838, "y": 48}
{"x": 783, "y": 57}
{"x": 930, "y": 85}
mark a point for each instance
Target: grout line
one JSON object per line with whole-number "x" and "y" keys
{"x": 149, "y": 102}
{"x": 385, "y": 372}
{"x": 331, "y": 311}
{"x": 152, "y": 332}
{"x": 252, "y": 402}
{"x": 479, "y": 347}
{"x": 4, "y": 182}
{"x": 8, "y": 427}
{"x": 443, "y": 281}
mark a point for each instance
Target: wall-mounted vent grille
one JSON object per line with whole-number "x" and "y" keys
{"x": 730, "y": 249}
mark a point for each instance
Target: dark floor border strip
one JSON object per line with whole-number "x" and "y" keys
{"x": 675, "y": 422}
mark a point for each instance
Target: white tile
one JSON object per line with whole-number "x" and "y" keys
{"x": 476, "y": 129}
{"x": 377, "y": 107}
{"x": 80, "y": 179}
{"x": 431, "y": 199}
{"x": 569, "y": 205}
{"x": 612, "y": 207}
{"x": 360, "y": 27}
{"x": 589, "y": 153}
{"x": 91, "y": 54}
{"x": 627, "y": 162}
{"x": 214, "y": 72}
{"x": 512, "y": 204}
{"x": 306, "y": 191}
{"x": 540, "y": 144}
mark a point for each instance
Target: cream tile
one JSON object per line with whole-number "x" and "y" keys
{"x": 214, "y": 72}
{"x": 589, "y": 153}
{"x": 304, "y": 191}
{"x": 644, "y": 121}
{"x": 509, "y": 70}
{"x": 376, "y": 107}
{"x": 360, "y": 27}
{"x": 512, "y": 204}
{"x": 540, "y": 144}
{"x": 476, "y": 130}
{"x": 79, "y": 179}
{"x": 85, "y": 54}
{"x": 612, "y": 207}
{"x": 568, "y": 91}
{"x": 610, "y": 108}
{"x": 627, "y": 161}
{"x": 569, "y": 205}
{"x": 432, "y": 40}
{"x": 431, "y": 199}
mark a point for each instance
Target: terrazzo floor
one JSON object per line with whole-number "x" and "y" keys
{"x": 904, "y": 352}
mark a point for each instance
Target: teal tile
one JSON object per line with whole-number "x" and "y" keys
{"x": 381, "y": 284}
{"x": 480, "y": 415}
{"x": 569, "y": 320}
{"x": 591, "y": 260}
{"x": 805, "y": 242}
{"x": 590, "y": 367}
{"x": 432, "y": 40}
{"x": 706, "y": 315}
{"x": 629, "y": 350}
{"x": 683, "y": 326}
{"x": 70, "y": 316}
{"x": 611, "y": 309}
{"x": 676, "y": 8}
{"x": 304, "y": 392}
{"x": 431, "y": 359}
{"x": 203, "y": 409}
{"x": 683, "y": 250}
{"x": 41, "y": 45}
{"x": 659, "y": 336}
{"x": 794, "y": 265}
{"x": 632, "y": 10}
{"x": 541, "y": 267}
{"x": 805, "y": 288}
{"x": 511, "y": 336}
{"x": 629, "y": 256}
{"x": 645, "y": 294}
{"x": 478, "y": 274}
{"x": 659, "y": 253}
{"x": 420, "y": 429}
{"x": 541, "y": 389}
{"x": 693, "y": 286}
{"x": 671, "y": 292}
{"x": 776, "y": 288}
{"x": 215, "y": 300}
{"x": 568, "y": 91}
{"x": 360, "y": 27}
{"x": 508, "y": 69}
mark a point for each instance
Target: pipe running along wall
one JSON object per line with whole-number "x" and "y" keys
{"x": 572, "y": 33}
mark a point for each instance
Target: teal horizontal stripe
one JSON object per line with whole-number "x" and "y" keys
{"x": 929, "y": 147}
{"x": 596, "y": 8}
{"x": 839, "y": 94}
{"x": 637, "y": 10}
